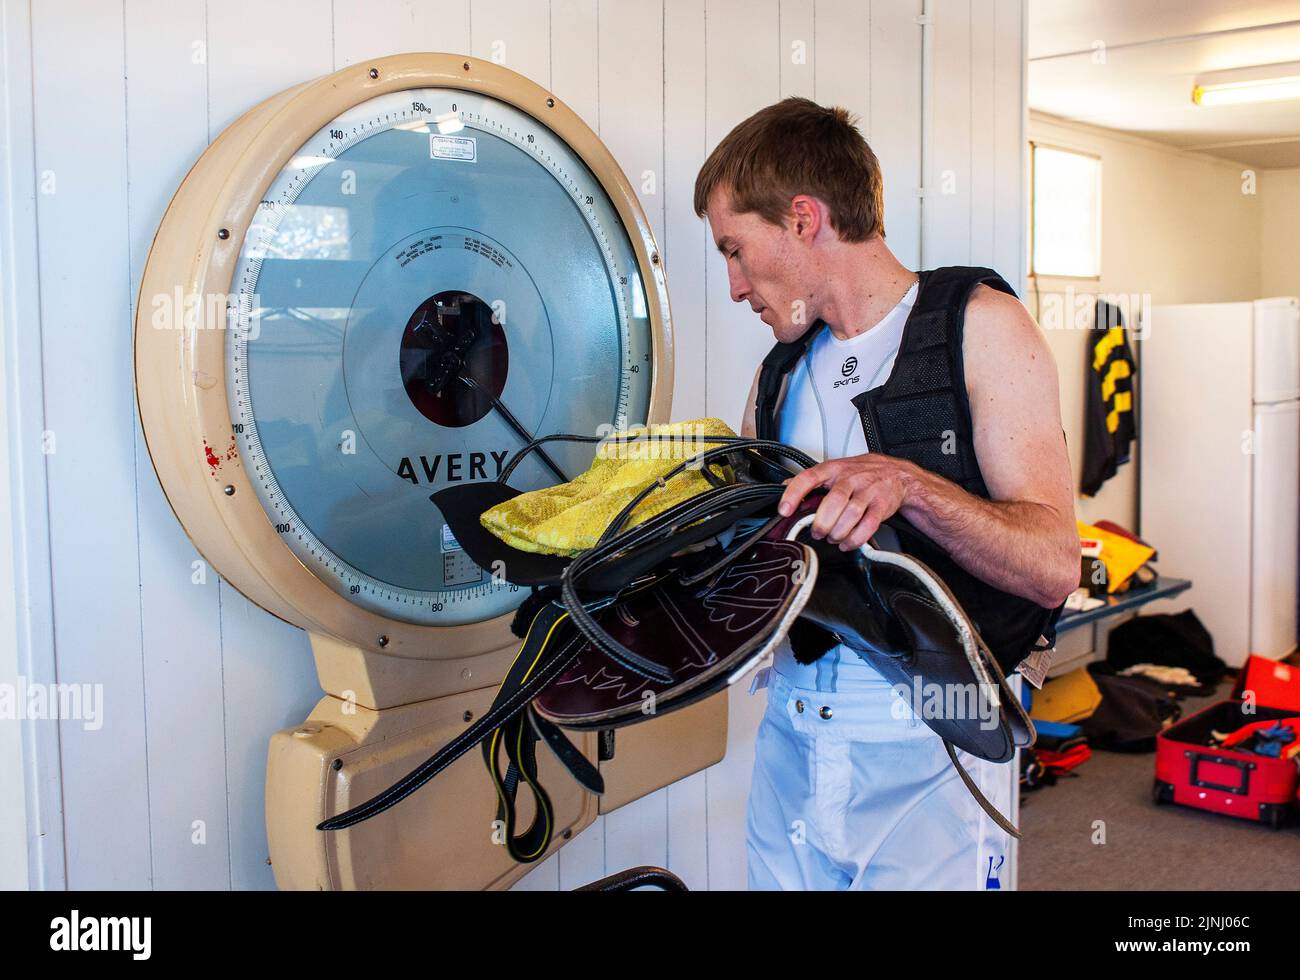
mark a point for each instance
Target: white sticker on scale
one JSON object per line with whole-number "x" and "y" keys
{"x": 449, "y": 542}
{"x": 453, "y": 148}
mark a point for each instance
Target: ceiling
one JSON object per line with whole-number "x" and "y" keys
{"x": 1154, "y": 52}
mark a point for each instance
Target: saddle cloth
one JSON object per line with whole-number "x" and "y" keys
{"x": 671, "y": 596}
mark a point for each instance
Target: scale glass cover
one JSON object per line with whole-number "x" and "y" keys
{"x": 434, "y": 278}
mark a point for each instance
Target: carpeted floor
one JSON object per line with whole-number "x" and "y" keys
{"x": 1145, "y": 846}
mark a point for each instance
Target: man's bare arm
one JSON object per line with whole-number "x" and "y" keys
{"x": 1024, "y": 539}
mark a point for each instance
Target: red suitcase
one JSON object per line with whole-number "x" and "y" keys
{"x": 1238, "y": 783}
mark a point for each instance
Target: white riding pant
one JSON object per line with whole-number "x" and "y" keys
{"x": 851, "y": 791}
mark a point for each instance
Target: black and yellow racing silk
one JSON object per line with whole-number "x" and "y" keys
{"x": 1109, "y": 428}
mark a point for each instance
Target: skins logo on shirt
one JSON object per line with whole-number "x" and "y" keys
{"x": 846, "y": 369}
{"x": 991, "y": 881}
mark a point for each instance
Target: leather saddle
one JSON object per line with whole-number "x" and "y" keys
{"x": 659, "y": 615}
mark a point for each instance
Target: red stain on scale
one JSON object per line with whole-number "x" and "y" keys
{"x": 214, "y": 461}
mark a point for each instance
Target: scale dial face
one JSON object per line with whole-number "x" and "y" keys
{"x": 434, "y": 277}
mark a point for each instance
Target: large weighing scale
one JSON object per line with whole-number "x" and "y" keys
{"x": 371, "y": 286}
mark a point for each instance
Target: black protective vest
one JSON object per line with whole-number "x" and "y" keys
{"x": 922, "y": 414}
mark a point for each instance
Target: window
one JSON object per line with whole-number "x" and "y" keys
{"x": 1065, "y": 213}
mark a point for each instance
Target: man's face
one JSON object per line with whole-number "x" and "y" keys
{"x": 764, "y": 266}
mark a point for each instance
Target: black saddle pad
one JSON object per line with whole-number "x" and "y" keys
{"x": 462, "y": 506}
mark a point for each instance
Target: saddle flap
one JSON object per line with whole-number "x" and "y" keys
{"x": 898, "y": 616}
{"x": 709, "y": 635}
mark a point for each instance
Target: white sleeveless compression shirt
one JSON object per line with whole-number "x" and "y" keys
{"x": 817, "y": 415}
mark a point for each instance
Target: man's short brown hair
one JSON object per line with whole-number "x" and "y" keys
{"x": 798, "y": 147}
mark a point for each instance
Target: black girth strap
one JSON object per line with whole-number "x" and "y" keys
{"x": 547, "y": 651}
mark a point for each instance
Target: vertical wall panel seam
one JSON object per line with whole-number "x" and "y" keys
{"x": 598, "y": 67}
{"x": 926, "y": 157}
{"x": 45, "y": 414}
{"x": 1022, "y": 236}
{"x": 970, "y": 142}
{"x": 993, "y": 180}
{"x": 207, "y": 70}
{"x": 38, "y": 802}
{"x": 135, "y": 455}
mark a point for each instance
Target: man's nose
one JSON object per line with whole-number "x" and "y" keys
{"x": 739, "y": 285}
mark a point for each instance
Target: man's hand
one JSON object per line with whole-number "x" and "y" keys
{"x": 862, "y": 492}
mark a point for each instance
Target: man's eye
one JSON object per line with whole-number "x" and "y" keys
{"x": 735, "y": 254}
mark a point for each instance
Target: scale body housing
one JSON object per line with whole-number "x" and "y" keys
{"x": 395, "y": 690}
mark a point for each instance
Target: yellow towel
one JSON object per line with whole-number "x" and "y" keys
{"x": 568, "y": 518}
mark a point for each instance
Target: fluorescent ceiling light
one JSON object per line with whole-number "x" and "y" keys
{"x": 1262, "y": 83}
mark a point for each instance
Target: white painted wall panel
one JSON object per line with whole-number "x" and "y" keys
{"x": 268, "y": 677}
{"x": 80, "y": 110}
{"x": 513, "y": 33}
{"x": 372, "y": 28}
{"x": 630, "y": 60}
{"x": 797, "y": 55}
{"x": 1009, "y": 108}
{"x": 984, "y": 141}
{"x": 686, "y": 248}
{"x": 167, "y": 74}
{"x": 742, "y": 73}
{"x": 743, "y": 60}
{"x": 842, "y": 43}
{"x": 950, "y": 191}
{"x": 894, "y": 124}
{"x": 686, "y": 245}
{"x": 575, "y": 73}
{"x": 293, "y": 42}
{"x": 31, "y": 814}
{"x": 196, "y": 678}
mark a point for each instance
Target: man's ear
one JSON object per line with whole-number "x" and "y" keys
{"x": 806, "y": 216}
